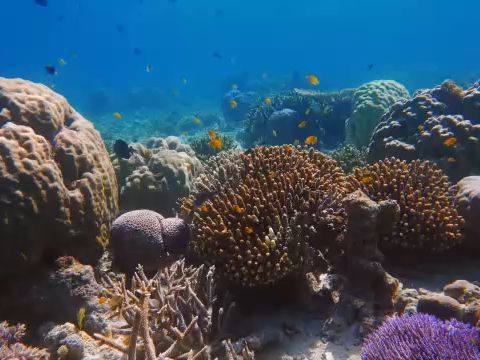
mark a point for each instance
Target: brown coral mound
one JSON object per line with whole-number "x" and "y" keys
{"x": 58, "y": 188}
{"x": 260, "y": 215}
{"x": 428, "y": 219}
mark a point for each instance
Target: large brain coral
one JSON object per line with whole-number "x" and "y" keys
{"x": 428, "y": 218}
{"x": 441, "y": 125}
{"x": 58, "y": 192}
{"x": 370, "y": 102}
{"x": 258, "y": 216}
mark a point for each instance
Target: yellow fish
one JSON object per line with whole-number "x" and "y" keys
{"x": 312, "y": 79}
{"x": 149, "y": 68}
{"x": 421, "y": 127}
{"x": 234, "y": 87}
{"x": 302, "y": 124}
{"x": 267, "y": 101}
{"x": 451, "y": 141}
{"x": 212, "y": 134}
{"x": 117, "y": 115}
{"x": 216, "y": 143}
{"x": 451, "y": 159}
{"x": 311, "y": 140}
{"x": 274, "y": 133}
{"x": 367, "y": 180}
{"x": 62, "y": 62}
{"x": 80, "y": 318}
{"x": 308, "y": 111}
{"x": 296, "y": 142}
{"x": 233, "y": 104}
{"x": 248, "y": 230}
{"x": 189, "y": 167}
{"x": 196, "y": 120}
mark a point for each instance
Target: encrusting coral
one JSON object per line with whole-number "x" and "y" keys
{"x": 11, "y": 346}
{"x": 59, "y": 192}
{"x": 370, "y": 102}
{"x": 428, "y": 218}
{"x": 441, "y": 125}
{"x": 258, "y": 216}
{"x": 467, "y": 201}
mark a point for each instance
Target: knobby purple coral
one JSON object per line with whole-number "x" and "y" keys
{"x": 422, "y": 337}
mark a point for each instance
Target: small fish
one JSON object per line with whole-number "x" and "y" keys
{"x": 204, "y": 208}
{"x": 311, "y": 140}
{"x": 122, "y": 150}
{"x": 216, "y": 55}
{"x": 189, "y": 167}
{"x": 74, "y": 54}
{"x": 126, "y": 340}
{"x": 212, "y": 134}
{"x": 421, "y": 127}
{"x": 115, "y": 301}
{"x": 238, "y": 209}
{"x": 51, "y": 86}
{"x": 62, "y": 62}
{"x": 451, "y": 159}
{"x": 184, "y": 133}
{"x": 302, "y": 124}
{"x": 149, "y": 68}
{"x": 370, "y": 66}
{"x": 43, "y": 3}
{"x": 50, "y": 69}
{"x": 234, "y": 87}
{"x": 117, "y": 115}
{"x": 296, "y": 142}
{"x": 312, "y": 79}
{"x": 308, "y": 111}
{"x": 120, "y": 28}
{"x": 216, "y": 143}
{"x": 248, "y": 230}
{"x": 80, "y": 318}
{"x": 174, "y": 92}
{"x": 367, "y": 180}
{"x": 267, "y": 101}
{"x": 137, "y": 51}
{"x": 233, "y": 104}
{"x": 274, "y": 133}
{"x": 184, "y": 81}
{"x": 60, "y": 18}
{"x": 264, "y": 76}
{"x": 196, "y": 120}
{"x": 218, "y": 12}
{"x": 451, "y": 141}
{"x": 102, "y": 300}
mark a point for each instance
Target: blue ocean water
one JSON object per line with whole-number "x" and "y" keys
{"x": 418, "y": 43}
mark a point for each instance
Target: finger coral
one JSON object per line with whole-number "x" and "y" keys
{"x": 428, "y": 219}
{"x": 58, "y": 188}
{"x": 422, "y": 337}
{"x": 259, "y": 216}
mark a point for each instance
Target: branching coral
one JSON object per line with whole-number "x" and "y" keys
{"x": 11, "y": 346}
{"x": 259, "y": 216}
{"x": 428, "y": 219}
{"x": 204, "y": 151}
{"x": 349, "y": 157}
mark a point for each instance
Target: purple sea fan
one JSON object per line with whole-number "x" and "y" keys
{"x": 422, "y": 337}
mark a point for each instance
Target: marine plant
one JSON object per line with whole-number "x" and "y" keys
{"x": 429, "y": 220}
{"x": 11, "y": 346}
{"x": 261, "y": 215}
{"x": 204, "y": 151}
{"x": 422, "y": 337}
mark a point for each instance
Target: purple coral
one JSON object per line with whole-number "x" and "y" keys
{"x": 176, "y": 235}
{"x": 422, "y": 337}
{"x": 11, "y": 346}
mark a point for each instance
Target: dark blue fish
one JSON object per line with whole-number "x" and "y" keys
{"x": 137, "y": 51}
{"x": 60, "y": 18}
{"x": 50, "y": 70}
{"x": 370, "y": 66}
{"x": 121, "y": 149}
{"x": 120, "y": 28}
{"x": 218, "y": 12}
{"x": 43, "y": 3}
{"x": 216, "y": 55}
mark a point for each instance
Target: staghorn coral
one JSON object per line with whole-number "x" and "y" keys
{"x": 428, "y": 220}
{"x": 204, "y": 151}
{"x": 422, "y": 337}
{"x": 11, "y": 346}
{"x": 258, "y": 217}
{"x": 419, "y": 127}
{"x": 349, "y": 157}
{"x": 370, "y": 102}
{"x": 59, "y": 192}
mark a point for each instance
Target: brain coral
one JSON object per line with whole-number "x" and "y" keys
{"x": 258, "y": 216}
{"x": 58, "y": 188}
{"x": 428, "y": 218}
{"x": 370, "y": 102}
{"x": 422, "y": 337}
{"x": 441, "y": 125}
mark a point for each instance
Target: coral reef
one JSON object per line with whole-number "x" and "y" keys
{"x": 467, "y": 201}
{"x": 11, "y": 346}
{"x": 145, "y": 237}
{"x": 244, "y": 101}
{"x": 204, "y": 151}
{"x": 441, "y": 125}
{"x": 277, "y": 121}
{"x": 370, "y": 102}
{"x": 156, "y": 176}
{"x": 420, "y": 337}
{"x": 349, "y": 157}
{"x": 59, "y": 192}
{"x": 428, "y": 219}
{"x": 261, "y": 215}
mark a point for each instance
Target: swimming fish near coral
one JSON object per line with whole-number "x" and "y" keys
{"x": 212, "y": 134}
{"x": 302, "y": 124}
{"x": 312, "y": 79}
{"x": 421, "y": 127}
{"x": 43, "y": 3}
{"x": 149, "y": 68}
{"x": 311, "y": 140}
{"x": 296, "y": 142}
{"x": 267, "y": 101}
{"x": 203, "y": 208}
{"x": 233, "y": 104}
{"x": 196, "y": 120}
{"x": 274, "y": 133}
{"x": 451, "y": 159}
{"x": 237, "y": 209}
{"x": 451, "y": 141}
{"x": 308, "y": 111}
{"x": 117, "y": 115}
{"x": 62, "y": 62}
{"x": 50, "y": 70}
{"x": 234, "y": 87}
{"x": 121, "y": 149}
{"x": 216, "y": 143}
{"x": 248, "y": 230}
{"x": 80, "y": 318}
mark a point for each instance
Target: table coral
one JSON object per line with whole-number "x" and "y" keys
{"x": 441, "y": 125}
{"x": 260, "y": 215}
{"x": 59, "y": 193}
{"x": 428, "y": 219}
{"x": 370, "y": 102}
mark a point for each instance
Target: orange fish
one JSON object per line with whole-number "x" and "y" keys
{"x": 102, "y": 300}
{"x": 212, "y": 134}
{"x": 216, "y": 143}
{"x": 233, "y": 104}
{"x": 237, "y": 209}
{"x": 204, "y": 208}
{"x": 312, "y": 79}
{"x": 451, "y": 159}
{"x": 451, "y": 141}
{"x": 248, "y": 230}
{"x": 302, "y": 124}
{"x": 311, "y": 140}
{"x": 367, "y": 180}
